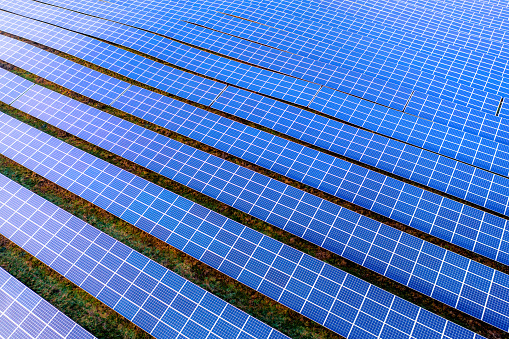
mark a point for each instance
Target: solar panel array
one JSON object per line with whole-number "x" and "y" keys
{"x": 465, "y": 151}
{"x": 412, "y": 93}
{"x": 39, "y": 103}
{"x": 451, "y": 91}
{"x": 153, "y": 297}
{"x": 337, "y": 294}
{"x": 136, "y": 103}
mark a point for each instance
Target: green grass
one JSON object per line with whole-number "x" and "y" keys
{"x": 105, "y": 323}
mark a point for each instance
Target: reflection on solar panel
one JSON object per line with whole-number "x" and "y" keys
{"x": 356, "y": 249}
{"x": 24, "y": 314}
{"x": 438, "y": 68}
{"x": 323, "y": 293}
{"x": 151, "y": 296}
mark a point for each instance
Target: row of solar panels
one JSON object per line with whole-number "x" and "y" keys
{"x": 349, "y": 82}
{"x": 453, "y": 177}
{"x": 24, "y": 314}
{"x": 477, "y": 151}
{"x": 427, "y": 268}
{"x": 317, "y": 290}
{"x": 381, "y": 64}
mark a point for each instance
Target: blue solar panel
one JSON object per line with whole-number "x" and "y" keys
{"x": 292, "y": 20}
{"x": 467, "y": 12}
{"x": 349, "y": 18}
{"x": 467, "y": 148}
{"x": 12, "y": 86}
{"x": 422, "y": 21}
{"x": 348, "y": 81}
{"x": 156, "y": 299}
{"x": 378, "y": 59}
{"x": 493, "y": 14}
{"x": 321, "y": 292}
{"x": 487, "y": 245}
{"x": 115, "y": 59}
{"x": 308, "y": 69}
{"x": 486, "y": 125}
{"x": 24, "y": 314}
{"x": 363, "y": 247}
{"x": 432, "y": 99}
{"x": 157, "y": 75}
{"x": 493, "y": 102}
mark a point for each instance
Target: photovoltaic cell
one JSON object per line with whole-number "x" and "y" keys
{"x": 296, "y": 18}
{"x": 128, "y": 64}
{"x": 327, "y": 295}
{"x": 486, "y": 125}
{"x": 24, "y": 314}
{"x": 475, "y": 9}
{"x": 469, "y": 306}
{"x": 308, "y": 69}
{"x": 424, "y": 23}
{"x": 452, "y": 88}
{"x": 156, "y": 299}
{"x": 66, "y": 73}
{"x": 468, "y": 148}
{"x": 425, "y": 9}
{"x": 462, "y": 35}
{"x": 351, "y": 27}
{"x": 349, "y": 236}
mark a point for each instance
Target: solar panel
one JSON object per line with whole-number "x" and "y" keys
{"x": 345, "y": 223}
{"x": 430, "y": 7}
{"x": 307, "y": 69}
{"x": 289, "y": 20}
{"x": 482, "y": 153}
{"x": 375, "y": 58}
{"x": 160, "y": 76}
{"x": 321, "y": 292}
{"x": 439, "y": 90}
{"x": 24, "y": 314}
{"x": 473, "y": 11}
{"x": 486, "y": 125}
{"x": 471, "y": 41}
{"x": 417, "y": 24}
{"x": 353, "y": 187}
{"x": 413, "y": 106}
{"x": 98, "y": 86}
{"x": 115, "y": 59}
{"x": 12, "y": 86}
{"x": 156, "y": 299}
{"x": 360, "y": 36}
{"x": 422, "y": 21}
